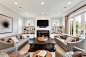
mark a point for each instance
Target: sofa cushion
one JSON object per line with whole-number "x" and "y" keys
{"x": 5, "y": 39}
{"x": 64, "y": 37}
{"x": 62, "y": 41}
{"x": 77, "y": 38}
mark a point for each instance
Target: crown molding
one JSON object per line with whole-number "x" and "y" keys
{"x": 10, "y": 8}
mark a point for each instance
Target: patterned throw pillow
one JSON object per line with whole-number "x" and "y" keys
{"x": 69, "y": 39}
{"x": 14, "y": 39}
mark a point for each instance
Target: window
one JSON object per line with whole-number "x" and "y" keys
{"x": 71, "y": 26}
{"x": 20, "y": 24}
{"x": 78, "y": 25}
{"x": 85, "y": 25}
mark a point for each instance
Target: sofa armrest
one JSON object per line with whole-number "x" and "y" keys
{"x": 9, "y": 50}
{"x": 5, "y": 45}
{"x": 77, "y": 49}
{"x": 58, "y": 54}
{"x": 27, "y": 54}
{"x": 77, "y": 44}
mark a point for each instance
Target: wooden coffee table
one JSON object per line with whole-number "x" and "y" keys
{"x": 48, "y": 55}
{"x": 42, "y": 45}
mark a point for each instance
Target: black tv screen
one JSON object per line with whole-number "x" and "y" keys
{"x": 42, "y": 22}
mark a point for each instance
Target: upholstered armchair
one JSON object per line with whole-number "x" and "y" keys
{"x": 13, "y": 49}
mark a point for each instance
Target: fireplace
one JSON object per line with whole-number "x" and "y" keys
{"x": 41, "y": 33}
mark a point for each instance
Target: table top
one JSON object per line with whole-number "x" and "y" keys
{"x": 48, "y": 55}
{"x": 36, "y": 41}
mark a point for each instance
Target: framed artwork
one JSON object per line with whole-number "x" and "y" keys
{"x": 29, "y": 22}
{"x": 55, "y": 22}
{"x": 6, "y": 24}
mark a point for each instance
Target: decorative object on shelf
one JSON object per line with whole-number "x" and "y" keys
{"x": 24, "y": 30}
{"x": 6, "y": 24}
{"x": 30, "y": 22}
{"x": 29, "y": 29}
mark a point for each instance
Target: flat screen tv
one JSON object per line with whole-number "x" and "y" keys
{"x": 42, "y": 22}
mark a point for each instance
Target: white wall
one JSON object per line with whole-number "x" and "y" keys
{"x": 6, "y": 11}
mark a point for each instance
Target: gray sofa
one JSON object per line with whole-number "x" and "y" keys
{"x": 75, "y": 49}
{"x": 6, "y": 42}
{"x": 12, "y": 49}
{"x": 68, "y": 46}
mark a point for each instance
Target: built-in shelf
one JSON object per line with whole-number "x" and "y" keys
{"x": 28, "y": 29}
{"x": 56, "y": 29}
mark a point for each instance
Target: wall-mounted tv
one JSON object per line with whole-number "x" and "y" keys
{"x": 42, "y": 22}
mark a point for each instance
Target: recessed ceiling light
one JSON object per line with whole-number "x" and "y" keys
{"x": 69, "y": 2}
{"x": 16, "y": 3}
{"x": 20, "y": 7}
{"x": 58, "y": 13}
{"x": 26, "y": 13}
{"x": 42, "y": 13}
{"x": 42, "y": 3}
{"x": 65, "y": 7}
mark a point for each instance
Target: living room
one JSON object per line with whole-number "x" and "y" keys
{"x": 42, "y": 28}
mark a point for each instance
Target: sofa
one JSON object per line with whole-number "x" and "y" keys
{"x": 13, "y": 49}
{"x": 68, "y": 46}
{"x": 78, "y": 52}
{"x": 6, "y": 42}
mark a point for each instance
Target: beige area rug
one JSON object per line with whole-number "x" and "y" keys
{"x": 27, "y": 46}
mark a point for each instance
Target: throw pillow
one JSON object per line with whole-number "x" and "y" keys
{"x": 24, "y": 36}
{"x": 77, "y": 54}
{"x": 69, "y": 39}
{"x": 59, "y": 35}
{"x": 14, "y": 39}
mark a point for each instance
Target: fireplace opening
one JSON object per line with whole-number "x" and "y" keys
{"x": 43, "y": 33}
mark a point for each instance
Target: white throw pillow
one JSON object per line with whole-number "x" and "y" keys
{"x": 59, "y": 35}
{"x": 24, "y": 36}
{"x": 14, "y": 39}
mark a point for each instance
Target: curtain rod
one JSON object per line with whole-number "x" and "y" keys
{"x": 77, "y": 9}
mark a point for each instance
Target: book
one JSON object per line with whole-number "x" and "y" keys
{"x": 42, "y": 54}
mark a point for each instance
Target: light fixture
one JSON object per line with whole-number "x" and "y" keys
{"x": 26, "y": 13}
{"x": 42, "y": 13}
{"x": 16, "y": 3}
{"x": 69, "y": 2}
{"x": 42, "y": 3}
{"x": 58, "y": 13}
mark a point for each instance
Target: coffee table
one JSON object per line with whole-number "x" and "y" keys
{"x": 42, "y": 45}
{"x": 48, "y": 55}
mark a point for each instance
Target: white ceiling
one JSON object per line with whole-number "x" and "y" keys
{"x": 34, "y": 7}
